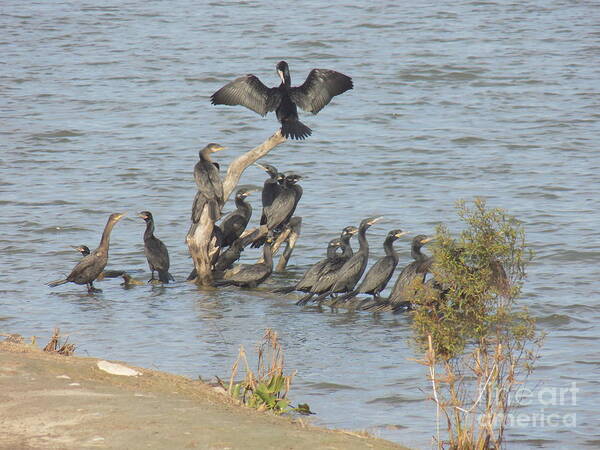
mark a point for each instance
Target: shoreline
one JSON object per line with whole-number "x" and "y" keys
{"x": 67, "y": 402}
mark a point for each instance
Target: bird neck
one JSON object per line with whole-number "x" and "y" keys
{"x": 205, "y": 156}
{"x": 362, "y": 240}
{"x": 104, "y": 242}
{"x": 331, "y": 252}
{"x": 346, "y": 247}
{"x": 415, "y": 252}
{"x": 268, "y": 255}
{"x": 149, "y": 229}
{"x": 287, "y": 80}
{"x": 242, "y": 205}
{"x": 388, "y": 247}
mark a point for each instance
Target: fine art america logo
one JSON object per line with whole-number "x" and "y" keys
{"x": 553, "y": 407}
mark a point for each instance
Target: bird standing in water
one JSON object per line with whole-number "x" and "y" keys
{"x": 331, "y": 263}
{"x": 415, "y": 270}
{"x": 92, "y": 265}
{"x": 155, "y": 250}
{"x": 210, "y": 185}
{"x": 348, "y": 275}
{"x": 380, "y": 273}
{"x": 313, "y": 95}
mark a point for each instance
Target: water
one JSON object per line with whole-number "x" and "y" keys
{"x": 104, "y": 107}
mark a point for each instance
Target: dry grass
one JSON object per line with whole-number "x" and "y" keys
{"x": 267, "y": 388}
{"x": 54, "y": 346}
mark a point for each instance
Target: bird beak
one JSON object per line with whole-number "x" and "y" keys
{"x": 261, "y": 166}
{"x": 353, "y": 231}
{"x": 143, "y": 216}
{"x": 425, "y": 241}
{"x": 75, "y": 247}
{"x": 401, "y": 234}
{"x": 280, "y": 73}
{"x": 219, "y": 148}
{"x": 121, "y": 215}
{"x": 375, "y": 220}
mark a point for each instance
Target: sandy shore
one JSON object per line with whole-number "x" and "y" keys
{"x": 49, "y": 401}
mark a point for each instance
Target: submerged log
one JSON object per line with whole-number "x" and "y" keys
{"x": 200, "y": 240}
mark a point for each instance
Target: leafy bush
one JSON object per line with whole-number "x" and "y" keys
{"x": 478, "y": 346}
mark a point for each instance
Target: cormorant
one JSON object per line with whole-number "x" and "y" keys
{"x": 83, "y": 249}
{"x": 92, "y": 265}
{"x": 325, "y": 285}
{"x": 234, "y": 224}
{"x": 380, "y": 273}
{"x": 315, "y": 271}
{"x": 282, "y": 208}
{"x": 210, "y": 185}
{"x": 250, "y": 275}
{"x": 271, "y": 188}
{"x": 416, "y": 269}
{"x": 314, "y": 94}
{"x": 332, "y": 262}
{"x": 155, "y": 250}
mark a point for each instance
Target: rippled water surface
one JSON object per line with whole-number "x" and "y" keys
{"x": 104, "y": 106}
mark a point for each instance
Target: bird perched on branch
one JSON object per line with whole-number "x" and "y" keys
{"x": 234, "y": 223}
{"x": 155, "y": 250}
{"x": 313, "y": 95}
{"x": 210, "y": 185}
{"x": 250, "y": 275}
{"x": 92, "y": 265}
{"x": 277, "y": 215}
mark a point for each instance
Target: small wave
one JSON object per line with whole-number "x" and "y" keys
{"x": 332, "y": 387}
{"x": 394, "y": 400}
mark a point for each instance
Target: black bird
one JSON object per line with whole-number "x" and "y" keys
{"x": 415, "y": 270}
{"x": 234, "y": 223}
{"x": 349, "y": 274}
{"x": 315, "y": 271}
{"x": 83, "y": 249}
{"x": 271, "y": 188}
{"x": 92, "y": 265}
{"x": 380, "y": 273}
{"x": 313, "y": 95}
{"x": 332, "y": 262}
{"x": 282, "y": 208}
{"x": 210, "y": 185}
{"x": 155, "y": 250}
{"x": 250, "y": 275}
{"x": 347, "y": 271}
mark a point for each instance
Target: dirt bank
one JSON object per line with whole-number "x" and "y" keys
{"x": 57, "y": 402}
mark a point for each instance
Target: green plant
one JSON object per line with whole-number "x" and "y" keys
{"x": 478, "y": 347}
{"x": 266, "y": 389}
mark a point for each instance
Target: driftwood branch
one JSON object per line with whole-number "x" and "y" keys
{"x": 293, "y": 234}
{"x": 237, "y": 167}
{"x": 200, "y": 241}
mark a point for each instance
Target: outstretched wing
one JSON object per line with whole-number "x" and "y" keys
{"x": 320, "y": 87}
{"x": 250, "y": 92}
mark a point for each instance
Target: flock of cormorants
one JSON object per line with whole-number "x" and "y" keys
{"x": 336, "y": 276}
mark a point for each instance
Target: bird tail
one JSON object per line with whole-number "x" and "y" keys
{"x": 284, "y": 290}
{"x": 164, "y": 276}
{"x": 57, "y": 282}
{"x": 295, "y": 129}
